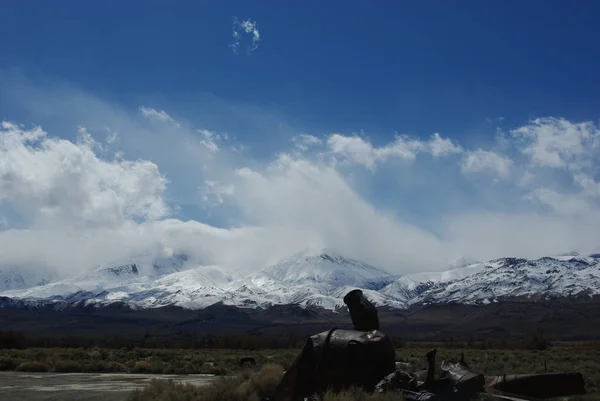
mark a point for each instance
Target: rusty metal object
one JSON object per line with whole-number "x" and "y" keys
{"x": 397, "y": 381}
{"x": 461, "y": 378}
{"x": 430, "y": 366}
{"x": 336, "y": 360}
{"x": 542, "y": 385}
{"x": 299, "y": 381}
{"x": 409, "y": 395}
{"x": 503, "y": 397}
{"x": 365, "y": 358}
{"x": 362, "y": 312}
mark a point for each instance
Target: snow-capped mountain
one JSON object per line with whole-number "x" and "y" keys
{"x": 463, "y": 261}
{"x": 319, "y": 278}
{"x": 14, "y": 278}
{"x": 145, "y": 282}
{"x": 548, "y": 277}
{"x": 312, "y": 279}
{"x": 411, "y": 286}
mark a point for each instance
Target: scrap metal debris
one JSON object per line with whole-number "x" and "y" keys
{"x": 336, "y": 359}
{"x": 542, "y": 385}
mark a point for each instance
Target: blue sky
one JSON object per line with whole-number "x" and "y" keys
{"x": 407, "y": 66}
{"x": 327, "y": 88}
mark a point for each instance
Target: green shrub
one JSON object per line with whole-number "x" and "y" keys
{"x": 142, "y": 367}
{"x": 7, "y": 363}
{"x": 536, "y": 341}
{"x": 175, "y": 370}
{"x": 147, "y": 367}
{"x": 114, "y": 367}
{"x": 68, "y": 367}
{"x": 33, "y": 366}
{"x": 101, "y": 366}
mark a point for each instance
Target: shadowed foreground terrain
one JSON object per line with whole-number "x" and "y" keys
{"x": 36, "y": 386}
{"x": 576, "y": 318}
{"x": 21, "y": 386}
{"x": 496, "y": 338}
{"x": 254, "y": 385}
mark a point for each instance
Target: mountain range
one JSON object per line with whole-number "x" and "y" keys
{"x": 308, "y": 279}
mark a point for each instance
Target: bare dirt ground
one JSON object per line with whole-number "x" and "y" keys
{"x": 21, "y": 386}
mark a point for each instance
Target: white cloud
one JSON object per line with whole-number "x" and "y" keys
{"x": 439, "y": 146}
{"x": 527, "y": 179}
{"x": 488, "y": 234}
{"x": 112, "y": 137}
{"x": 354, "y": 148}
{"x": 302, "y": 202}
{"x": 52, "y": 181}
{"x": 290, "y": 203}
{"x": 214, "y": 192}
{"x": 179, "y": 151}
{"x": 3, "y": 223}
{"x": 158, "y": 115}
{"x": 589, "y": 186}
{"x": 306, "y": 141}
{"x": 209, "y": 140}
{"x": 247, "y": 27}
{"x": 562, "y": 204}
{"x": 83, "y": 206}
{"x": 574, "y": 148}
{"x": 361, "y": 151}
{"x": 559, "y": 143}
{"x": 486, "y": 161}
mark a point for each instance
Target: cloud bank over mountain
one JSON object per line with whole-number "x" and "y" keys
{"x": 85, "y": 180}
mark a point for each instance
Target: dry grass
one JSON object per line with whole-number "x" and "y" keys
{"x": 247, "y": 386}
{"x": 359, "y": 395}
{"x": 166, "y": 390}
{"x": 68, "y": 367}
{"x": 162, "y": 361}
{"x": 254, "y": 386}
{"x": 497, "y": 362}
{"x": 582, "y": 357}
{"x": 33, "y": 366}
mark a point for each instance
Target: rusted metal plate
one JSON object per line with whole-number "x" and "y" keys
{"x": 541, "y": 385}
{"x": 506, "y": 397}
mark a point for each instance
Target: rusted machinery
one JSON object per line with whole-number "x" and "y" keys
{"x": 365, "y": 357}
{"x": 542, "y": 385}
{"x": 338, "y": 359}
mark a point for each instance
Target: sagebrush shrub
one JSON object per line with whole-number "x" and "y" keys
{"x": 33, "y": 366}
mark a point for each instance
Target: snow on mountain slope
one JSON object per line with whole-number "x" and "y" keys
{"x": 403, "y": 289}
{"x": 313, "y": 279}
{"x": 577, "y": 257}
{"x": 324, "y": 267}
{"x": 448, "y": 275}
{"x": 513, "y": 277}
{"x": 195, "y": 288}
{"x": 410, "y": 286}
{"x": 146, "y": 266}
{"x": 17, "y": 278}
{"x": 378, "y": 298}
{"x": 463, "y": 261}
{"x": 122, "y": 281}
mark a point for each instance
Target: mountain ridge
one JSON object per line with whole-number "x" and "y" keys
{"x": 316, "y": 279}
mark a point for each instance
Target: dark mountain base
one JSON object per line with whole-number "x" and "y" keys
{"x": 563, "y": 319}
